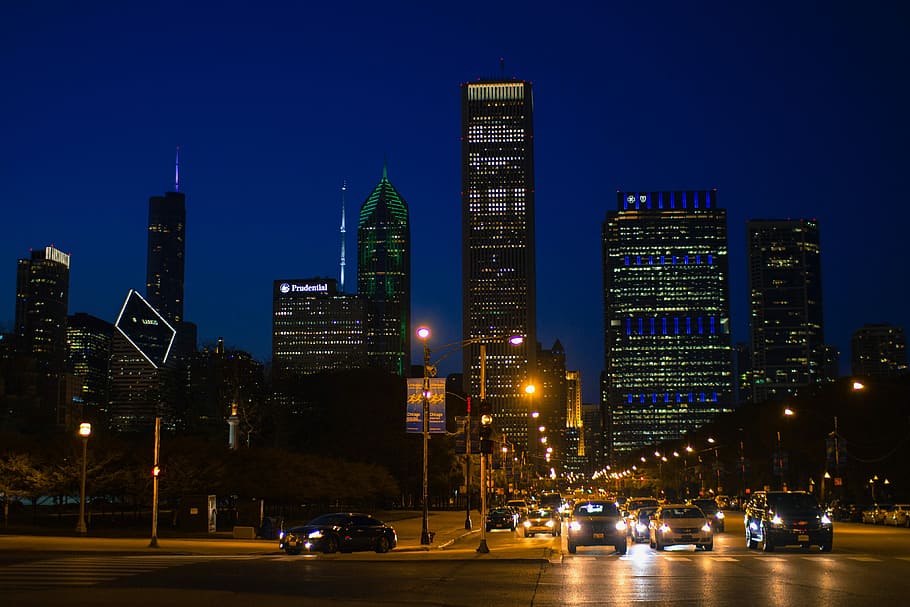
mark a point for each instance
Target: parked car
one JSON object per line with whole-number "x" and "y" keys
{"x": 339, "y": 531}
{"x": 502, "y": 518}
{"x": 900, "y": 516}
{"x": 640, "y": 529}
{"x": 597, "y": 523}
{"x": 868, "y": 516}
{"x": 520, "y": 507}
{"x": 676, "y": 524}
{"x": 542, "y": 520}
{"x": 787, "y": 518}
{"x": 715, "y": 515}
{"x": 882, "y": 514}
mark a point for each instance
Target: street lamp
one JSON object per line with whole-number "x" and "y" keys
{"x": 423, "y": 333}
{"x": 85, "y": 430}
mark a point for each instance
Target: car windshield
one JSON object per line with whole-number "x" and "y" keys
{"x": 502, "y": 511}
{"x": 330, "y": 519}
{"x": 682, "y": 513}
{"x": 706, "y": 505}
{"x": 798, "y": 501}
{"x": 596, "y": 509}
{"x": 542, "y": 513}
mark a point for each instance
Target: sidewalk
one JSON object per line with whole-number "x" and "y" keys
{"x": 445, "y": 528}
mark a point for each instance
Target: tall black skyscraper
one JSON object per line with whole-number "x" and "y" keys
{"x": 668, "y": 365}
{"x": 166, "y": 252}
{"x": 384, "y": 277}
{"x": 785, "y": 298}
{"x": 499, "y": 288}
{"x": 42, "y": 298}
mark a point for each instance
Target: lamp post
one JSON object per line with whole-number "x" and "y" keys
{"x": 85, "y": 430}
{"x": 156, "y": 470}
{"x": 423, "y": 333}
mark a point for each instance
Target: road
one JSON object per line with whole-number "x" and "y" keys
{"x": 868, "y": 567}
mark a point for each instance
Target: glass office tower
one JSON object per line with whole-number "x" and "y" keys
{"x": 668, "y": 364}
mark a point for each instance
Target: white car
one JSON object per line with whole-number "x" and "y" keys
{"x": 675, "y": 524}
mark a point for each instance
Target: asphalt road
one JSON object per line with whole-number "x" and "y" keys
{"x": 868, "y": 567}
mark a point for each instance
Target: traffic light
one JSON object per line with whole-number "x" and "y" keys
{"x": 486, "y": 427}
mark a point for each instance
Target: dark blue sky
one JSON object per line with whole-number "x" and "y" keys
{"x": 789, "y": 109}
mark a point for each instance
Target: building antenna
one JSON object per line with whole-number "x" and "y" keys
{"x": 177, "y": 171}
{"x": 502, "y": 67}
{"x": 344, "y": 187}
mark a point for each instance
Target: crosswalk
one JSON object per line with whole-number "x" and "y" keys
{"x": 689, "y": 557}
{"x": 83, "y": 571}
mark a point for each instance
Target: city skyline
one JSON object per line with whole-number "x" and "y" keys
{"x": 795, "y": 117}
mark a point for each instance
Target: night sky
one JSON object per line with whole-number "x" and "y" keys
{"x": 789, "y": 109}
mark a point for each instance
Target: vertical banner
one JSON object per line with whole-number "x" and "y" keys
{"x": 437, "y": 402}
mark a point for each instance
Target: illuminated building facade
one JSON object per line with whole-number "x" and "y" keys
{"x": 42, "y": 299}
{"x": 88, "y": 341}
{"x": 166, "y": 252}
{"x": 668, "y": 364}
{"x": 314, "y": 328}
{"x": 785, "y": 300}
{"x": 878, "y": 350}
{"x": 384, "y": 277}
{"x": 499, "y": 288}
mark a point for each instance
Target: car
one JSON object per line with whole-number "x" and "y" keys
{"x": 519, "y": 507}
{"x": 339, "y": 532}
{"x": 715, "y": 515}
{"x": 639, "y": 530}
{"x": 882, "y": 513}
{"x": 680, "y": 524}
{"x": 868, "y": 516}
{"x": 787, "y": 518}
{"x": 501, "y": 518}
{"x": 541, "y": 520}
{"x": 597, "y": 523}
{"x": 632, "y": 504}
{"x": 900, "y": 516}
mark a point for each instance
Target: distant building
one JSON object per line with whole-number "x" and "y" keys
{"x": 144, "y": 379}
{"x": 384, "y": 277}
{"x": 742, "y": 369}
{"x": 499, "y": 288}
{"x": 314, "y": 328}
{"x": 668, "y": 365}
{"x": 574, "y": 444}
{"x": 88, "y": 341}
{"x": 166, "y": 255}
{"x": 551, "y": 400}
{"x": 785, "y": 299}
{"x": 42, "y": 299}
{"x": 878, "y": 350}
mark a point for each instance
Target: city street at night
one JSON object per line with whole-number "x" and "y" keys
{"x": 865, "y": 568}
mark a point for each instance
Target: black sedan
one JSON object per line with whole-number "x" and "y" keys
{"x": 597, "y": 523}
{"x": 501, "y": 518}
{"x": 340, "y": 531}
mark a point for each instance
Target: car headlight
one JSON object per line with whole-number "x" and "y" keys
{"x": 575, "y": 526}
{"x": 777, "y": 520}
{"x": 826, "y": 520}
{"x": 315, "y": 535}
{"x": 621, "y": 525}
{"x": 527, "y": 523}
{"x": 720, "y": 515}
{"x": 281, "y": 535}
{"x": 706, "y": 528}
{"x": 664, "y": 528}
{"x": 550, "y": 523}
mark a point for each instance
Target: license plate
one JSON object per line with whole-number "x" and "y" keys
{"x": 598, "y": 536}
{"x": 802, "y": 538}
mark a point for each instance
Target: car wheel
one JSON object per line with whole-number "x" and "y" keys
{"x": 489, "y": 529}
{"x": 528, "y": 533}
{"x": 572, "y": 548}
{"x": 658, "y": 544}
{"x": 555, "y": 533}
{"x": 382, "y": 545}
{"x": 766, "y": 544}
{"x": 622, "y": 548}
{"x": 651, "y": 543}
{"x": 751, "y": 544}
{"x": 708, "y": 547}
{"x": 292, "y": 549}
{"x": 330, "y": 544}
{"x": 826, "y": 547}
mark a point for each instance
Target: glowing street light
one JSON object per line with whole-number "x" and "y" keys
{"x": 85, "y": 430}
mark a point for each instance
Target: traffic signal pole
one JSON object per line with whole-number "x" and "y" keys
{"x": 482, "y": 548}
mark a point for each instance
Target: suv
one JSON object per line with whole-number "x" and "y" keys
{"x": 787, "y": 518}
{"x": 597, "y": 523}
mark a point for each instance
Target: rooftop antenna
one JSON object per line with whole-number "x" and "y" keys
{"x": 502, "y": 67}
{"x": 344, "y": 187}
{"x": 177, "y": 171}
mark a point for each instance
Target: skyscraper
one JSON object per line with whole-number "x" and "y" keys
{"x": 668, "y": 366}
{"x": 878, "y": 350}
{"x": 785, "y": 300}
{"x": 42, "y": 298}
{"x": 499, "y": 289}
{"x": 88, "y": 341}
{"x": 314, "y": 328}
{"x": 384, "y": 277}
{"x": 166, "y": 251}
